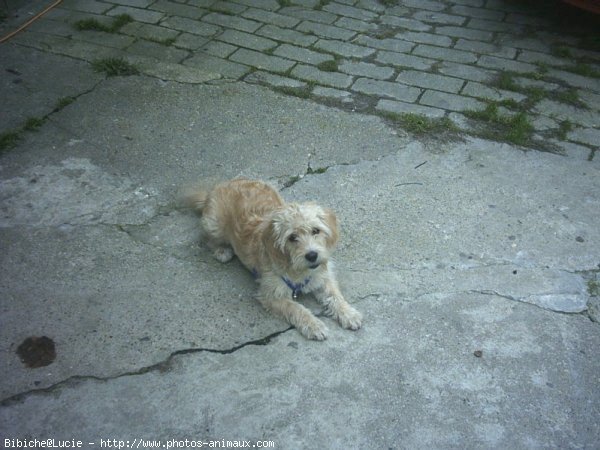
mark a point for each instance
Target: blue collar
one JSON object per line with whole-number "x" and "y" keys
{"x": 295, "y": 287}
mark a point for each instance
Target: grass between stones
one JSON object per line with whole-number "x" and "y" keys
{"x": 534, "y": 94}
{"x": 563, "y": 129}
{"x": 515, "y": 129}
{"x": 593, "y": 288}
{"x": 419, "y": 124}
{"x": 583, "y": 69}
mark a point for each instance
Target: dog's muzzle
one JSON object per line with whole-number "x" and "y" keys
{"x": 312, "y": 258}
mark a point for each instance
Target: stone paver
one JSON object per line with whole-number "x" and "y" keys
{"x": 261, "y": 61}
{"x": 344, "y": 49}
{"x": 430, "y": 80}
{"x": 386, "y": 89}
{"x": 393, "y": 106}
{"x": 313, "y": 74}
{"x": 364, "y": 69}
{"x": 243, "y": 39}
{"x": 450, "y": 102}
{"x": 302, "y": 54}
{"x": 426, "y": 56}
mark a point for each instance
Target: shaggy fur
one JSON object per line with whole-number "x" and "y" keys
{"x": 285, "y": 245}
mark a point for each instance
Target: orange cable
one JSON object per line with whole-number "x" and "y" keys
{"x": 29, "y": 22}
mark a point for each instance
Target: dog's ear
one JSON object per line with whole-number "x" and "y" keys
{"x": 272, "y": 242}
{"x": 328, "y": 217}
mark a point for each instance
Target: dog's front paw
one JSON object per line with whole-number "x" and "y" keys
{"x": 350, "y": 318}
{"x": 315, "y": 330}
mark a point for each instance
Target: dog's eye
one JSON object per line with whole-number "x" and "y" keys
{"x": 315, "y": 231}
{"x": 293, "y": 238}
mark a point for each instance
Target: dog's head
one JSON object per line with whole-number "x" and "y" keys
{"x": 302, "y": 236}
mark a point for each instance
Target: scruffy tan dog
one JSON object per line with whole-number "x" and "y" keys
{"x": 286, "y": 246}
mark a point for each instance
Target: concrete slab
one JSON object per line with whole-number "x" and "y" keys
{"x": 28, "y": 91}
{"x": 447, "y": 371}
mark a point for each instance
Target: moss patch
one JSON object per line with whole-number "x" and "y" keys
{"x": 328, "y": 66}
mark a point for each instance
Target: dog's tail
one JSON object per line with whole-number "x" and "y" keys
{"x": 195, "y": 197}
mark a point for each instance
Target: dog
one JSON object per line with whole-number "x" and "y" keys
{"x": 286, "y": 247}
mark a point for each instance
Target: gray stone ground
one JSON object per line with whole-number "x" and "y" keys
{"x": 475, "y": 262}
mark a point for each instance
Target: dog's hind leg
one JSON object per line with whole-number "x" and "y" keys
{"x": 214, "y": 237}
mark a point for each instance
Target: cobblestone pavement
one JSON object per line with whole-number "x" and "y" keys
{"x": 523, "y": 72}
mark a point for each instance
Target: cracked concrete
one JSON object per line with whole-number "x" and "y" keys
{"x": 466, "y": 258}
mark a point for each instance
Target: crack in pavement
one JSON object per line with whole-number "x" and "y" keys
{"x": 162, "y": 367}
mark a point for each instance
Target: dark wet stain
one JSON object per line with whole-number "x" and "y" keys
{"x": 37, "y": 351}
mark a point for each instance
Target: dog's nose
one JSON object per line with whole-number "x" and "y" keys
{"x": 311, "y": 256}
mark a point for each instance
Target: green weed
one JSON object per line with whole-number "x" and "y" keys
{"x": 95, "y": 25}
{"x": 563, "y": 129}
{"x": 318, "y": 170}
{"x": 33, "y": 123}
{"x": 561, "y": 51}
{"x": 420, "y": 124}
{"x": 515, "y": 128}
{"x": 570, "y": 96}
{"x": 583, "y": 69}
{"x": 505, "y": 81}
{"x": 63, "y": 103}
{"x": 114, "y": 67}
{"x": 593, "y": 288}
{"x": 8, "y": 140}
